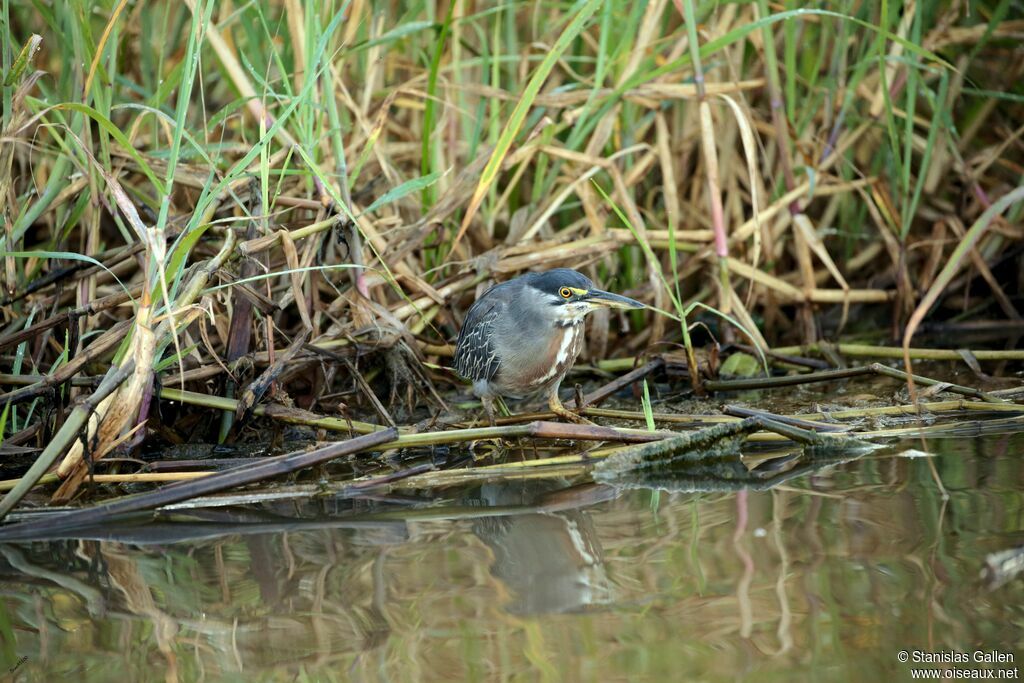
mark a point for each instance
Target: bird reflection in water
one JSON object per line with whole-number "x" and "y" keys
{"x": 550, "y": 559}
{"x": 549, "y": 555}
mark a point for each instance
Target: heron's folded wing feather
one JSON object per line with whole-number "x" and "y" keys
{"x": 476, "y": 356}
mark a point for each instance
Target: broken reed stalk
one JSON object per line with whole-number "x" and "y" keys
{"x": 885, "y": 370}
{"x": 743, "y": 412}
{"x": 26, "y": 380}
{"x": 276, "y": 411}
{"x": 936, "y": 407}
{"x": 895, "y": 352}
{"x": 69, "y": 318}
{"x": 67, "y": 434}
{"x": 600, "y": 394}
{"x": 533, "y": 430}
{"x": 845, "y": 373}
{"x": 689, "y": 447}
{"x": 578, "y": 464}
{"x": 100, "y": 346}
{"x": 115, "y": 413}
{"x": 129, "y": 478}
{"x": 714, "y": 442}
{"x": 184, "y": 490}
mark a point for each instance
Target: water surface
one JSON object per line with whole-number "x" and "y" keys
{"x": 825, "y": 576}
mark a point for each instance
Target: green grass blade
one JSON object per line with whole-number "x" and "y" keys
{"x": 67, "y": 255}
{"x": 582, "y": 10}
{"x": 406, "y": 188}
{"x": 116, "y": 133}
{"x": 430, "y": 106}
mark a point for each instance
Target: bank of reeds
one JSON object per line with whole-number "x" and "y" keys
{"x": 220, "y": 216}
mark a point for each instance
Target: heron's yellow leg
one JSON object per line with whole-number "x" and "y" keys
{"x": 556, "y": 406}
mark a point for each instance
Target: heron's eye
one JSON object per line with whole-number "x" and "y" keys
{"x": 565, "y": 292}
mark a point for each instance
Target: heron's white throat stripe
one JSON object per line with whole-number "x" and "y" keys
{"x": 565, "y": 349}
{"x": 572, "y": 312}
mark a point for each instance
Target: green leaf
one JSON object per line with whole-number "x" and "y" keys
{"x": 430, "y": 105}
{"x": 741, "y": 32}
{"x": 278, "y": 273}
{"x": 3, "y": 420}
{"x": 957, "y": 258}
{"x": 735, "y": 323}
{"x": 176, "y": 266}
{"x": 648, "y": 411}
{"x": 583, "y": 10}
{"x": 211, "y": 192}
{"x": 740, "y": 365}
{"x": 115, "y": 132}
{"x": 69, "y": 255}
{"x": 174, "y": 358}
{"x": 400, "y": 31}
{"x": 24, "y": 57}
{"x": 408, "y": 187}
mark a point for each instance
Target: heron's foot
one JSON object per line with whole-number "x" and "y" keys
{"x": 556, "y": 406}
{"x": 489, "y": 449}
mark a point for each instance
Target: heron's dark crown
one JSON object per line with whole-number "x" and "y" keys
{"x": 550, "y": 281}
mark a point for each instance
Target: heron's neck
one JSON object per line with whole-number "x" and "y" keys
{"x": 570, "y": 315}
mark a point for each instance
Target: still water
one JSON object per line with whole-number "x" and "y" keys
{"x": 828, "y": 574}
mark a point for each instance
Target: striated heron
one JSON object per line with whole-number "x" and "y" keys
{"x": 521, "y": 337}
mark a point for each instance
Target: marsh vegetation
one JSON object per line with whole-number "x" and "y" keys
{"x": 239, "y": 240}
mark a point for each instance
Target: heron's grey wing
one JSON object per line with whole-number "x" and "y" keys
{"x": 476, "y": 356}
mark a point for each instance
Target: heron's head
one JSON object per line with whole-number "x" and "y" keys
{"x": 568, "y": 296}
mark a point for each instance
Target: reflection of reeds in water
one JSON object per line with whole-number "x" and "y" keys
{"x": 823, "y": 574}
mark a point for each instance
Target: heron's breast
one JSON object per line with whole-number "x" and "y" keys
{"x": 540, "y": 363}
